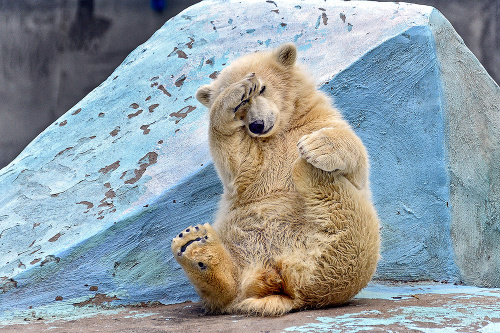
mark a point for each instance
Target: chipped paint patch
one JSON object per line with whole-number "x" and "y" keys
{"x": 148, "y": 160}
{"x": 98, "y": 299}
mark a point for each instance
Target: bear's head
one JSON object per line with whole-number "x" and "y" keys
{"x": 270, "y": 110}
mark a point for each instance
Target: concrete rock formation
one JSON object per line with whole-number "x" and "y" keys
{"x": 88, "y": 209}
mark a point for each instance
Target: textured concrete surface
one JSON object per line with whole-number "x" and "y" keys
{"x": 379, "y": 308}
{"x": 87, "y": 211}
{"x": 472, "y": 128}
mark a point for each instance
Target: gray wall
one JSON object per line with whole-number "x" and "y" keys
{"x": 53, "y": 52}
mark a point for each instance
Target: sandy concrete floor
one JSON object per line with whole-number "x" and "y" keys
{"x": 379, "y": 308}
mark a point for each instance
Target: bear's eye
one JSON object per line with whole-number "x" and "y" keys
{"x": 262, "y": 90}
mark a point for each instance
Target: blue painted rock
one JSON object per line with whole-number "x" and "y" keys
{"x": 88, "y": 210}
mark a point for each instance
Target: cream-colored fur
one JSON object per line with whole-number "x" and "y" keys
{"x": 296, "y": 227}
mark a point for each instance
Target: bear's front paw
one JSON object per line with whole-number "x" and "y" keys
{"x": 192, "y": 247}
{"x": 242, "y": 92}
{"x": 321, "y": 151}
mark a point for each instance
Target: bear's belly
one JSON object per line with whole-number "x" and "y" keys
{"x": 263, "y": 231}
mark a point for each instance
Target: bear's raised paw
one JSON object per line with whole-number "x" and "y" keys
{"x": 243, "y": 91}
{"x": 322, "y": 150}
{"x": 192, "y": 246}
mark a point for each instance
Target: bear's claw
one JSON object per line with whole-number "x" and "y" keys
{"x": 250, "y": 86}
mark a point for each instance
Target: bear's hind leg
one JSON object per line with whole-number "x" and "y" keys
{"x": 207, "y": 264}
{"x": 272, "y": 305}
{"x": 264, "y": 292}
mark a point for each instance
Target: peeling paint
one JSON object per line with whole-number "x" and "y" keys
{"x": 164, "y": 90}
{"x": 270, "y": 1}
{"x": 135, "y": 114}
{"x": 153, "y": 107}
{"x": 7, "y": 284}
{"x": 214, "y": 75}
{"x": 282, "y": 27}
{"x": 145, "y": 129}
{"x": 180, "y": 53}
{"x": 111, "y": 167}
{"x": 87, "y": 203}
{"x": 151, "y": 158}
{"x": 115, "y": 131}
{"x": 63, "y": 151}
{"x": 35, "y": 261}
{"x": 182, "y": 113}
{"x": 324, "y": 17}
{"x": 110, "y": 194}
{"x": 342, "y": 17}
{"x": 97, "y": 300}
{"x": 49, "y": 259}
{"x": 180, "y": 81}
{"x": 55, "y": 237}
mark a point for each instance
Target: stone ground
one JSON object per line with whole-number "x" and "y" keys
{"x": 388, "y": 307}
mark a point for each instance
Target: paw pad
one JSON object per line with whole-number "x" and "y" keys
{"x": 191, "y": 236}
{"x": 184, "y": 247}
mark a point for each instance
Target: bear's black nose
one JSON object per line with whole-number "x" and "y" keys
{"x": 257, "y": 127}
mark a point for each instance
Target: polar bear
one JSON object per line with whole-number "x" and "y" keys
{"x": 295, "y": 228}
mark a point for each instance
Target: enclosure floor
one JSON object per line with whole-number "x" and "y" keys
{"x": 381, "y": 307}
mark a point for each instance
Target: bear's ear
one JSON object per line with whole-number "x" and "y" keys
{"x": 204, "y": 94}
{"x": 286, "y": 54}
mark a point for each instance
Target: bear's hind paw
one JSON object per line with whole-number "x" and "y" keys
{"x": 190, "y": 246}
